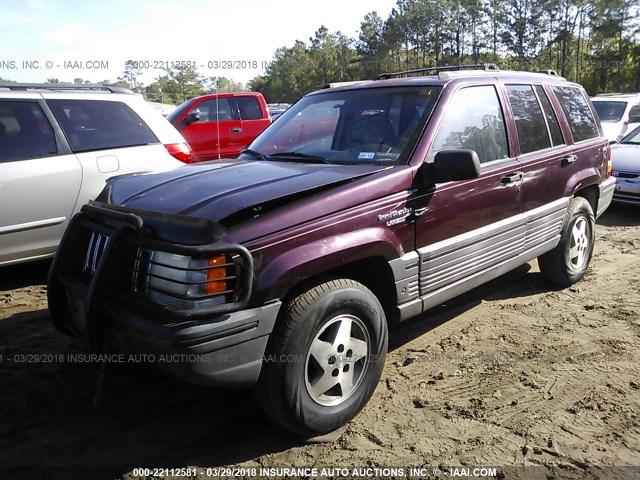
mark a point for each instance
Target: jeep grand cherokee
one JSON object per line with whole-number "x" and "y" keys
{"x": 363, "y": 205}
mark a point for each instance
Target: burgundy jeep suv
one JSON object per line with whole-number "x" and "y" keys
{"x": 365, "y": 204}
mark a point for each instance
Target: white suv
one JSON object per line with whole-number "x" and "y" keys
{"x": 58, "y": 146}
{"x": 619, "y": 113}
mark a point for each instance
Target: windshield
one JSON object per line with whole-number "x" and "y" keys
{"x": 610, "y": 112}
{"x": 633, "y": 137}
{"x": 367, "y": 126}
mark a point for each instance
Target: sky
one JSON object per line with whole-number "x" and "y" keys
{"x": 70, "y": 39}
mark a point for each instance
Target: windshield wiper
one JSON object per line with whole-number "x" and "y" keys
{"x": 255, "y": 153}
{"x": 305, "y": 156}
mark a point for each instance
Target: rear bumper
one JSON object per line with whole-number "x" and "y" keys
{"x": 607, "y": 189}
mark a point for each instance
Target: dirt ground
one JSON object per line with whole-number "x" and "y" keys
{"x": 514, "y": 373}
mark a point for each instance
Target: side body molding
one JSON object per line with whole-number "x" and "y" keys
{"x": 451, "y": 267}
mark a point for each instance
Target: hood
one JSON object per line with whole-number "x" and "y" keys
{"x": 218, "y": 190}
{"x": 625, "y": 157}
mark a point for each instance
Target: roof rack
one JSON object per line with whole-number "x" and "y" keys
{"x": 549, "y": 71}
{"x": 342, "y": 84}
{"x": 65, "y": 86}
{"x": 487, "y": 67}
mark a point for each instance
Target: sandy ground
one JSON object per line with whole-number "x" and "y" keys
{"x": 514, "y": 373}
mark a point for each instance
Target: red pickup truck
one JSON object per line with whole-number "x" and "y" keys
{"x": 219, "y": 125}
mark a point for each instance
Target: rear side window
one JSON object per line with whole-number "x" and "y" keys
{"x": 249, "y": 108}
{"x": 214, "y": 110}
{"x": 530, "y": 123}
{"x": 550, "y": 116}
{"x": 576, "y": 109}
{"x": 473, "y": 121}
{"x": 98, "y": 125}
{"x": 25, "y": 132}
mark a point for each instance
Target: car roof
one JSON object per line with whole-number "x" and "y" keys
{"x": 448, "y": 75}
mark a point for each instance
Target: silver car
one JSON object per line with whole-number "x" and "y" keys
{"x": 58, "y": 146}
{"x": 626, "y": 168}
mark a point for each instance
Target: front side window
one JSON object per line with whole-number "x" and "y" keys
{"x": 214, "y": 110}
{"x": 25, "y": 131}
{"x": 473, "y": 121}
{"x": 98, "y": 125}
{"x": 365, "y": 126}
{"x": 530, "y": 123}
{"x": 576, "y": 108}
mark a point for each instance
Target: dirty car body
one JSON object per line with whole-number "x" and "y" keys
{"x": 362, "y": 206}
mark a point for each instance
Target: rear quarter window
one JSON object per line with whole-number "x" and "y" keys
{"x": 576, "y": 108}
{"x": 100, "y": 125}
{"x": 249, "y": 108}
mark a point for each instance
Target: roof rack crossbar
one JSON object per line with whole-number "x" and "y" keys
{"x": 487, "y": 67}
{"x": 65, "y": 86}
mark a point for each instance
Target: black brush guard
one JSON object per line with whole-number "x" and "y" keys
{"x": 128, "y": 230}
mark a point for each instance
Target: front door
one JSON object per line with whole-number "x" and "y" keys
{"x": 465, "y": 228}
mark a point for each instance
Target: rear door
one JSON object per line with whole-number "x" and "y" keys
{"x": 109, "y": 138}
{"x": 39, "y": 181}
{"x": 548, "y": 162}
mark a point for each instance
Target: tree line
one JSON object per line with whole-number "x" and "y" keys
{"x": 593, "y": 42}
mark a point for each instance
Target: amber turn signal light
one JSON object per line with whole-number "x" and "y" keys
{"x": 216, "y": 275}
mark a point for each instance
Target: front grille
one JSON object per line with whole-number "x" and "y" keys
{"x": 627, "y": 175}
{"x": 95, "y": 249}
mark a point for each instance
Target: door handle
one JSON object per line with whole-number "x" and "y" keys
{"x": 511, "y": 178}
{"x": 236, "y": 130}
{"x": 569, "y": 159}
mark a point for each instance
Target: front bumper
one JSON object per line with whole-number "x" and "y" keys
{"x": 627, "y": 190}
{"x": 219, "y": 345}
{"x": 221, "y": 351}
{"x": 607, "y": 188}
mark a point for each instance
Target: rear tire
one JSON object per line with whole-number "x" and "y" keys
{"x": 568, "y": 262}
{"x": 324, "y": 358}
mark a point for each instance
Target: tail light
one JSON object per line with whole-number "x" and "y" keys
{"x": 607, "y": 157}
{"x": 181, "y": 151}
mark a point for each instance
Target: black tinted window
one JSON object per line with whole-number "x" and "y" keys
{"x": 576, "y": 109}
{"x": 552, "y": 120}
{"x": 473, "y": 121}
{"x": 214, "y": 110}
{"x": 532, "y": 128}
{"x": 99, "y": 125}
{"x": 249, "y": 108}
{"x": 25, "y": 132}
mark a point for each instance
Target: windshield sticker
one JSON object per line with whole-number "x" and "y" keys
{"x": 367, "y": 155}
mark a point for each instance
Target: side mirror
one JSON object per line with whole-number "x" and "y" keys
{"x": 634, "y": 119}
{"x": 192, "y": 118}
{"x": 453, "y": 165}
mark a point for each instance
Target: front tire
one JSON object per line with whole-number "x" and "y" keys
{"x": 568, "y": 262}
{"x": 324, "y": 358}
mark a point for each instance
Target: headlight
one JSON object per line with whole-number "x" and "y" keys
{"x": 189, "y": 277}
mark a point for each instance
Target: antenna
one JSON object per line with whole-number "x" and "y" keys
{"x": 217, "y": 116}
